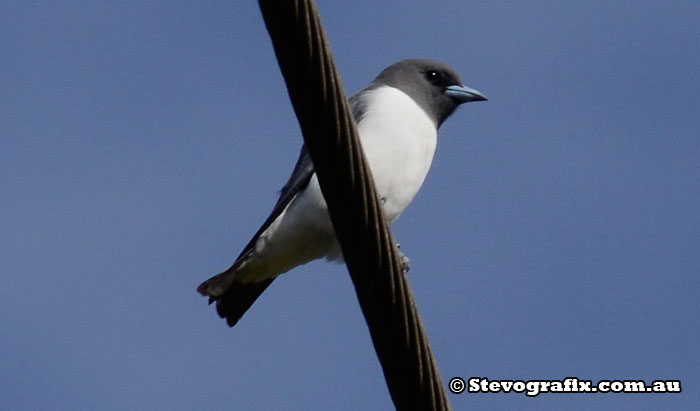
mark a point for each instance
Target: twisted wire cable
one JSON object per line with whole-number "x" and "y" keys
{"x": 386, "y": 299}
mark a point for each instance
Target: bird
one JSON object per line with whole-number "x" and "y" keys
{"x": 397, "y": 118}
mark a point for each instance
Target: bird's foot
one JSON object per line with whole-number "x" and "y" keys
{"x": 405, "y": 262}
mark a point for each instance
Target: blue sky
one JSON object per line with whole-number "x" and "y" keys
{"x": 556, "y": 235}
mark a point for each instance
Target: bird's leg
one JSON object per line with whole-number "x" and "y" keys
{"x": 405, "y": 262}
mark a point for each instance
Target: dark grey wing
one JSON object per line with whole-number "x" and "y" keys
{"x": 302, "y": 173}
{"x": 238, "y": 298}
{"x": 298, "y": 181}
{"x": 358, "y": 103}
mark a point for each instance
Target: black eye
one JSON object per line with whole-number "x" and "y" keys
{"x": 432, "y": 75}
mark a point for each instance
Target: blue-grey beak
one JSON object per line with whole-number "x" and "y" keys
{"x": 464, "y": 94}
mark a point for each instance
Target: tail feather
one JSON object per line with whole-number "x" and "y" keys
{"x": 232, "y": 304}
{"x": 232, "y": 299}
{"x": 218, "y": 284}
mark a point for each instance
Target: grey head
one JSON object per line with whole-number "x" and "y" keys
{"x": 434, "y": 85}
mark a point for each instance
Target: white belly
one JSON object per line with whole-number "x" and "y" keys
{"x": 398, "y": 141}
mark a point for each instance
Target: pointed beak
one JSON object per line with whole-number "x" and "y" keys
{"x": 464, "y": 94}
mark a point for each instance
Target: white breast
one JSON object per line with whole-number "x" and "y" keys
{"x": 398, "y": 139}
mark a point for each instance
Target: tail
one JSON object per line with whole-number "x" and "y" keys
{"x": 232, "y": 299}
